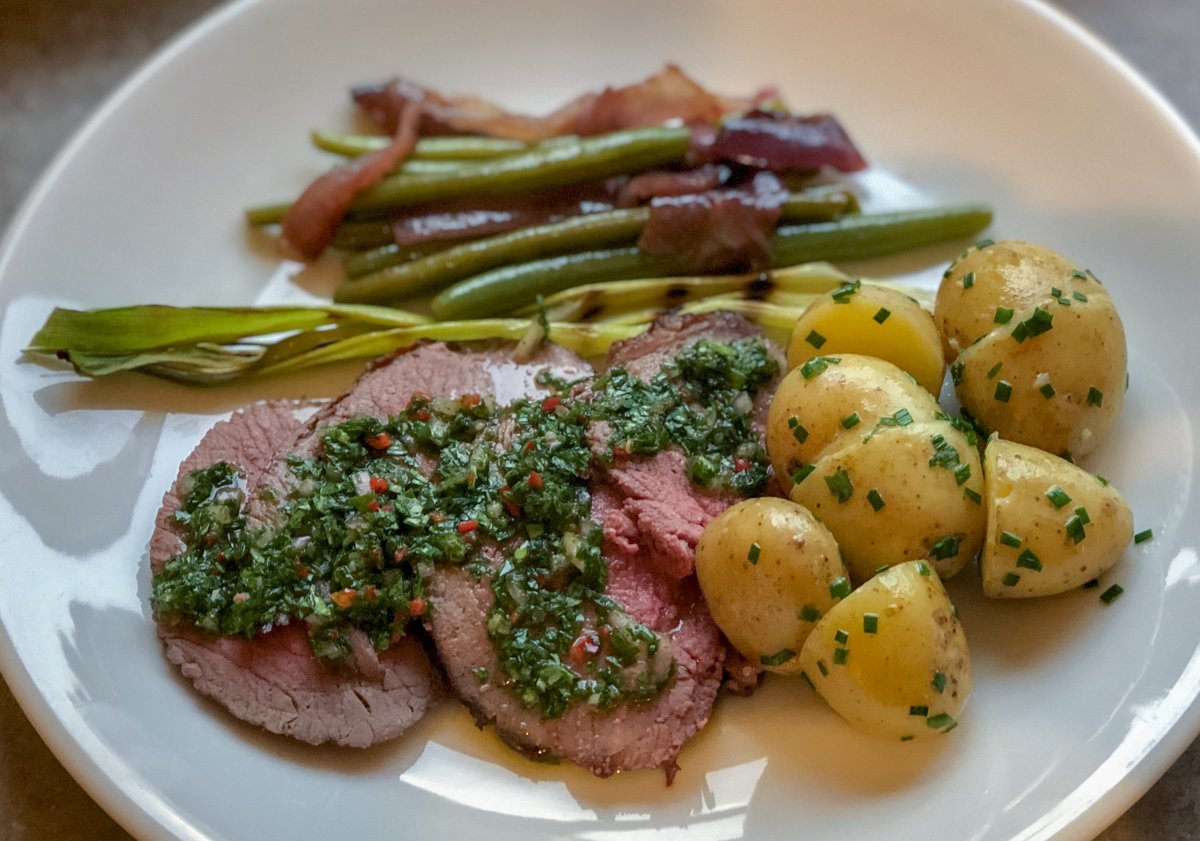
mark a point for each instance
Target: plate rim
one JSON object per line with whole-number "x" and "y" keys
{"x": 1092, "y": 818}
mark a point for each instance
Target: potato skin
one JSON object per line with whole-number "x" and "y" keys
{"x": 905, "y": 678}
{"x": 758, "y": 597}
{"x": 1029, "y": 549}
{"x": 872, "y": 321}
{"x": 1060, "y": 389}
{"x": 925, "y": 507}
{"x": 806, "y": 415}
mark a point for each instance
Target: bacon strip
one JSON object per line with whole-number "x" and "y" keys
{"x": 312, "y": 220}
{"x": 780, "y": 143}
{"x": 667, "y": 95}
{"x": 719, "y": 230}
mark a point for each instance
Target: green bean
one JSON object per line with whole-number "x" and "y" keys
{"x": 360, "y": 236}
{"x": 556, "y": 165}
{"x": 853, "y": 237}
{"x": 575, "y": 234}
{"x": 427, "y": 148}
{"x": 388, "y": 273}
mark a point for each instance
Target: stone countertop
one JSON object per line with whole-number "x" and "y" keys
{"x": 57, "y": 62}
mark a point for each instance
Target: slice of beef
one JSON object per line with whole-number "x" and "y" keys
{"x": 642, "y": 735}
{"x": 654, "y": 492}
{"x": 274, "y": 680}
{"x": 652, "y": 517}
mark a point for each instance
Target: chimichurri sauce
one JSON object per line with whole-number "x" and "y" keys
{"x": 501, "y": 490}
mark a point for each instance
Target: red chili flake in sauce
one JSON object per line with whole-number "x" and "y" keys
{"x": 586, "y": 645}
{"x": 741, "y": 465}
{"x": 535, "y": 479}
{"x": 400, "y": 553}
{"x": 470, "y": 401}
{"x": 467, "y": 526}
{"x": 378, "y": 485}
{"x": 422, "y": 415}
{"x": 373, "y": 505}
{"x": 379, "y": 442}
{"x": 344, "y": 598}
{"x": 302, "y": 571}
{"x": 551, "y": 403}
{"x": 436, "y": 517}
{"x": 416, "y": 607}
{"x": 370, "y": 592}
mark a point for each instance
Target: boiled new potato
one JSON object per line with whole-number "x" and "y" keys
{"x": 900, "y": 493}
{"x": 1052, "y": 526}
{"x": 873, "y": 321}
{"x": 830, "y": 400}
{"x": 1037, "y": 348}
{"x": 768, "y": 571}
{"x": 891, "y": 658}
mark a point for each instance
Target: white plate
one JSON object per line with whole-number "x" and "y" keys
{"x": 1078, "y": 707}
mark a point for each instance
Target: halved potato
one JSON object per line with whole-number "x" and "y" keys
{"x": 900, "y": 493}
{"x": 769, "y": 571}
{"x": 891, "y": 658}
{"x": 1052, "y": 526}
{"x": 873, "y": 321}
{"x": 831, "y": 400}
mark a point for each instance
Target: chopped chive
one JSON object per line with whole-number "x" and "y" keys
{"x": 754, "y": 553}
{"x": 881, "y": 568}
{"x": 1102, "y": 480}
{"x": 947, "y": 547}
{"x": 1020, "y": 332}
{"x": 921, "y": 710}
{"x": 817, "y": 365}
{"x": 924, "y": 569}
{"x": 1075, "y": 530}
{"x": 962, "y": 473}
{"x": 779, "y": 657}
{"x": 973, "y": 495}
{"x": 956, "y": 372}
{"x": 870, "y": 623}
{"x": 1111, "y": 594}
{"x": 841, "y": 636}
{"x": 808, "y": 613}
{"x": 1082, "y": 514}
{"x": 1057, "y": 496}
{"x": 842, "y": 294}
{"x": 939, "y": 682}
{"x": 1055, "y": 292}
{"x": 902, "y": 417}
{"x": 1143, "y": 536}
{"x": 968, "y": 280}
{"x": 1080, "y": 274}
{"x": 1003, "y": 315}
{"x": 984, "y": 243}
{"x": 995, "y": 369}
{"x": 1038, "y": 323}
{"x": 802, "y": 473}
{"x": 841, "y": 656}
{"x": 1047, "y": 391}
{"x": 850, "y": 421}
{"x": 875, "y": 499}
{"x": 1011, "y": 579}
{"x": 907, "y": 738}
{"x": 799, "y": 433}
{"x": 1079, "y": 296}
{"x": 1028, "y": 560}
{"x": 1003, "y": 391}
{"x": 840, "y": 588}
{"x": 808, "y": 680}
{"x": 941, "y": 721}
{"x": 1095, "y": 397}
{"x": 1007, "y": 538}
{"x": 1091, "y": 585}
{"x": 822, "y": 669}
{"x": 839, "y": 485}
{"x": 881, "y": 315}
{"x": 815, "y": 339}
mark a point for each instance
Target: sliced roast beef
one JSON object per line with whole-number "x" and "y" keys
{"x": 654, "y": 492}
{"x": 274, "y": 680}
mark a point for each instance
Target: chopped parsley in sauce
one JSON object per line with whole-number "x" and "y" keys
{"x": 502, "y": 491}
